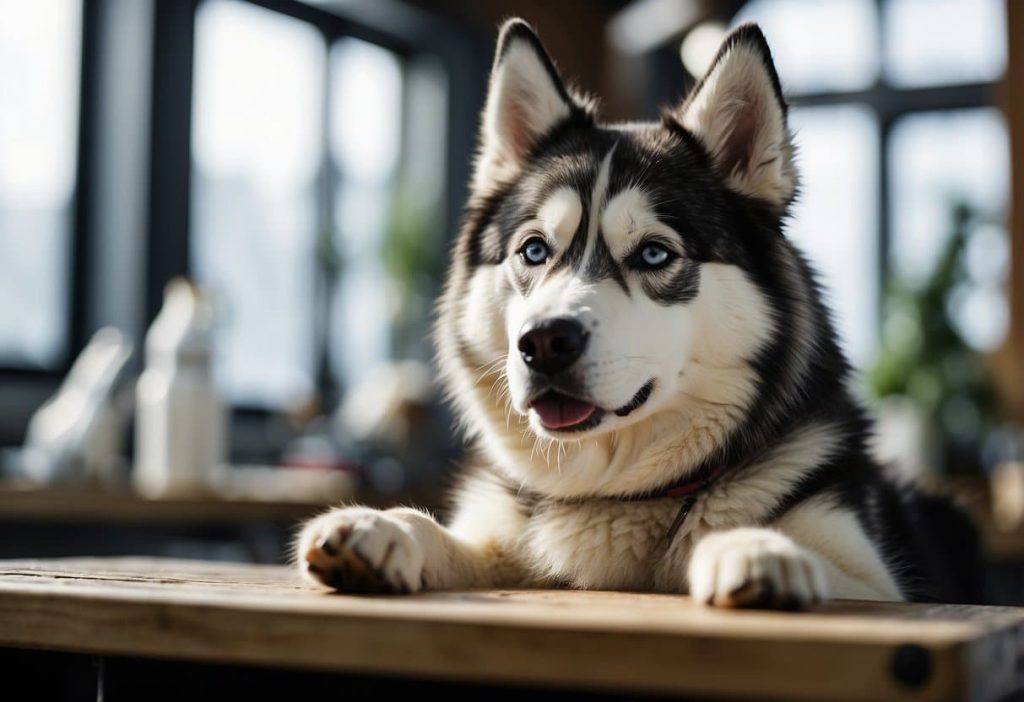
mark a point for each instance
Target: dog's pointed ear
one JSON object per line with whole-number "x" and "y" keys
{"x": 739, "y": 113}
{"x": 525, "y": 100}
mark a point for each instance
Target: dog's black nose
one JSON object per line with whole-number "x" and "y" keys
{"x": 552, "y": 345}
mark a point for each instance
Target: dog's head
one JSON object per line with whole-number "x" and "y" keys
{"x": 609, "y": 276}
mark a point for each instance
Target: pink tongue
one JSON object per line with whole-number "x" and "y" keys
{"x": 558, "y": 411}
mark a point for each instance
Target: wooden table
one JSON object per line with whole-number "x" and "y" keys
{"x": 247, "y": 615}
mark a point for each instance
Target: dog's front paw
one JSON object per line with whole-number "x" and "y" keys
{"x": 361, "y": 550}
{"x": 755, "y": 568}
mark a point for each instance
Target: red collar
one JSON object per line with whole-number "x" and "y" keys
{"x": 689, "y": 490}
{"x": 693, "y": 485}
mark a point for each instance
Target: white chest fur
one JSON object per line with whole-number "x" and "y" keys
{"x": 609, "y": 544}
{"x": 604, "y": 544}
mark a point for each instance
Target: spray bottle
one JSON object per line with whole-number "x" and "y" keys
{"x": 180, "y": 418}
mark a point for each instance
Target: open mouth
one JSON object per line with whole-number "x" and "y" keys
{"x": 560, "y": 412}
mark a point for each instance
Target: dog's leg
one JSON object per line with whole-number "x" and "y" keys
{"x": 358, "y": 549}
{"x": 816, "y": 551}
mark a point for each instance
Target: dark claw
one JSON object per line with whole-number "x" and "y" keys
{"x": 387, "y": 553}
{"x": 743, "y": 587}
{"x": 359, "y": 582}
{"x": 790, "y": 603}
{"x": 756, "y": 593}
{"x": 362, "y": 558}
{"x": 355, "y": 574}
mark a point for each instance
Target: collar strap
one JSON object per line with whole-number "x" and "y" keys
{"x": 689, "y": 490}
{"x": 693, "y": 485}
{"x": 689, "y": 487}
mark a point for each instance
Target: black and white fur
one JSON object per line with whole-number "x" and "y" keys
{"x": 723, "y": 357}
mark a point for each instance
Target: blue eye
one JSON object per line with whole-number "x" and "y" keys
{"x": 534, "y": 252}
{"x": 654, "y": 256}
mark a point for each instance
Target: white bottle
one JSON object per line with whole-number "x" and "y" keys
{"x": 180, "y": 419}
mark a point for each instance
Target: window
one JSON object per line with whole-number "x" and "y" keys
{"x": 838, "y": 165}
{"x": 936, "y": 42}
{"x": 303, "y": 176}
{"x": 366, "y": 142}
{"x": 40, "y": 53}
{"x": 886, "y": 147}
{"x": 258, "y": 119}
{"x": 819, "y": 46}
{"x": 938, "y": 159}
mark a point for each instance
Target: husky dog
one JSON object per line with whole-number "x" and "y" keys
{"x": 644, "y": 364}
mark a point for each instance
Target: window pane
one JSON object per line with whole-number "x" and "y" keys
{"x": 819, "y": 46}
{"x": 835, "y": 218}
{"x": 257, "y": 136}
{"x": 366, "y": 139}
{"x": 40, "y": 48}
{"x": 937, "y": 160}
{"x": 928, "y": 42}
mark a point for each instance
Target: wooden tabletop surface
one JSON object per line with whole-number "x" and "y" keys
{"x": 633, "y": 643}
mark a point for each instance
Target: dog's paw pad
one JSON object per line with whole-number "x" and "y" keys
{"x": 361, "y": 551}
{"x": 755, "y": 568}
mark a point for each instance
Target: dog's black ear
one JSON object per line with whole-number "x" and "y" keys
{"x": 739, "y": 113}
{"x": 525, "y": 100}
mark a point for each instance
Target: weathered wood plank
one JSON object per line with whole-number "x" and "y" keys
{"x": 587, "y": 640}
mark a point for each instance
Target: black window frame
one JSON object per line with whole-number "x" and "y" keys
{"x": 886, "y": 102}
{"x": 464, "y": 57}
{"x": 23, "y": 388}
{"x": 405, "y": 29}
{"x": 75, "y": 317}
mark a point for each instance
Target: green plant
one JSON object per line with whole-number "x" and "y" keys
{"x": 414, "y": 257}
{"x": 924, "y": 357}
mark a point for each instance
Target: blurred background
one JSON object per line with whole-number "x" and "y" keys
{"x": 303, "y": 165}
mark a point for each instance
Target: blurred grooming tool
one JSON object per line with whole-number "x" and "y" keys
{"x": 180, "y": 419}
{"x": 77, "y": 435}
